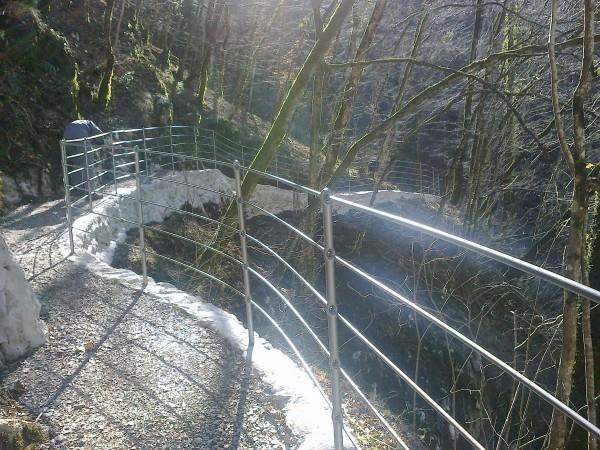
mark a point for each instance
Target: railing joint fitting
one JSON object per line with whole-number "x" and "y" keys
{"x": 326, "y": 196}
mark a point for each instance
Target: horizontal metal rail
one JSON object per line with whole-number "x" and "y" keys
{"x": 542, "y": 393}
{"x": 189, "y": 213}
{"x": 554, "y": 278}
{"x": 439, "y": 409}
{"x": 196, "y": 270}
{"x": 184, "y": 183}
{"x": 411, "y": 176}
{"x": 193, "y": 241}
{"x": 304, "y": 364}
{"x": 323, "y": 301}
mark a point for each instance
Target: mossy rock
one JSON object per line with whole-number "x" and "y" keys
{"x": 21, "y": 435}
{"x": 39, "y": 94}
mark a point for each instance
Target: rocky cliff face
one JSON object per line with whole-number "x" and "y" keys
{"x": 21, "y": 329}
{"x": 38, "y": 95}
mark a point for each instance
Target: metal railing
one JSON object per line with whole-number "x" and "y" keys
{"x": 111, "y": 162}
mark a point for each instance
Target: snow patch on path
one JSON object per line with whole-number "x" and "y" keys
{"x": 307, "y": 413}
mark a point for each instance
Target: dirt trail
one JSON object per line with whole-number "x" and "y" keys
{"x": 123, "y": 371}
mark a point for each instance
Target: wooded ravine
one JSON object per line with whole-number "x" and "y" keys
{"x": 500, "y": 99}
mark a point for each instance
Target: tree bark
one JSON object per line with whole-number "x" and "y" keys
{"x": 105, "y": 88}
{"x": 349, "y": 93}
{"x": 455, "y": 176}
{"x": 576, "y": 240}
{"x": 119, "y": 22}
{"x": 279, "y": 127}
{"x": 385, "y": 154}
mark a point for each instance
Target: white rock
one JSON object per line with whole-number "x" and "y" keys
{"x": 21, "y": 329}
{"x": 28, "y": 182}
{"x": 10, "y": 190}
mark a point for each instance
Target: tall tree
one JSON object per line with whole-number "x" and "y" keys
{"x": 349, "y": 93}
{"x": 278, "y": 129}
{"x": 575, "y": 160}
{"x": 105, "y": 88}
{"x": 455, "y": 178}
{"x": 385, "y": 153}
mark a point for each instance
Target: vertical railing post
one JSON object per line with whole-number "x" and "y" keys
{"x": 145, "y": 154}
{"x": 214, "y": 148}
{"x": 111, "y": 146}
{"x": 140, "y": 215}
{"x": 63, "y": 153}
{"x": 332, "y": 316}
{"x": 196, "y": 147}
{"x": 87, "y": 172}
{"x": 242, "y": 227}
{"x": 171, "y": 150}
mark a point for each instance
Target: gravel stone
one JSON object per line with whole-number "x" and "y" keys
{"x": 124, "y": 371}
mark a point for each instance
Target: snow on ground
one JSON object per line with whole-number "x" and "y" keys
{"x": 307, "y": 413}
{"x": 98, "y": 235}
{"x": 21, "y": 329}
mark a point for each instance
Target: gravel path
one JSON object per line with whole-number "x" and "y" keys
{"x": 123, "y": 371}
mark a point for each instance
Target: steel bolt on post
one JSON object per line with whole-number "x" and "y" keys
{"x": 244, "y": 249}
{"x": 332, "y": 317}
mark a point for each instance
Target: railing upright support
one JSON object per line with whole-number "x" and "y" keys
{"x": 171, "y": 149}
{"x": 111, "y": 147}
{"x": 214, "y": 146}
{"x": 140, "y": 216}
{"x": 242, "y": 227}
{"x": 63, "y": 154}
{"x": 332, "y": 317}
{"x": 196, "y": 147}
{"x": 87, "y": 172}
{"x": 145, "y": 154}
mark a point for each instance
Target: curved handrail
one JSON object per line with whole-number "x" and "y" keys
{"x": 126, "y": 148}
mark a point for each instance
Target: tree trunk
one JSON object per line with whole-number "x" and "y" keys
{"x": 105, "y": 88}
{"x": 119, "y": 22}
{"x": 349, "y": 93}
{"x": 316, "y": 104}
{"x": 579, "y": 208}
{"x": 210, "y": 40}
{"x": 244, "y": 79}
{"x": 455, "y": 176}
{"x": 385, "y": 154}
{"x": 279, "y": 127}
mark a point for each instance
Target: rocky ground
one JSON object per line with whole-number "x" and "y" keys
{"x": 122, "y": 371}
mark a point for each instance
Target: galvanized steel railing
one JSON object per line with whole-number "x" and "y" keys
{"x": 151, "y": 151}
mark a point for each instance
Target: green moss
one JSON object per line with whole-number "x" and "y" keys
{"x": 33, "y": 433}
{"x": 40, "y": 87}
{"x": 593, "y": 245}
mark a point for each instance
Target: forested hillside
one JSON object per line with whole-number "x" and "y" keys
{"x": 500, "y": 97}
